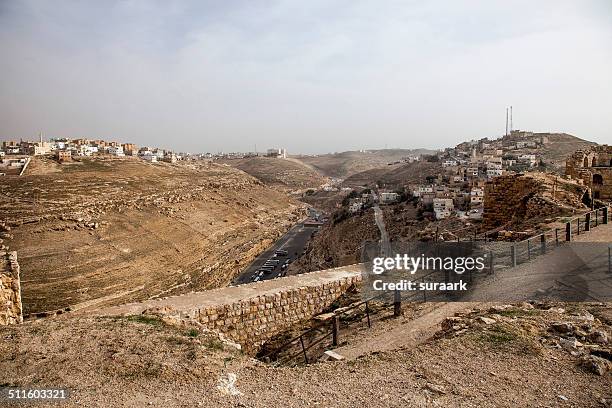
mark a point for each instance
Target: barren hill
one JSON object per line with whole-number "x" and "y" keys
{"x": 397, "y": 175}
{"x": 344, "y": 164}
{"x": 289, "y": 173}
{"x": 111, "y": 231}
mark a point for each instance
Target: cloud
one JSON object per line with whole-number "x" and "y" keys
{"x": 312, "y": 76}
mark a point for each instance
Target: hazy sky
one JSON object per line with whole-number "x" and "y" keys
{"x": 312, "y": 76}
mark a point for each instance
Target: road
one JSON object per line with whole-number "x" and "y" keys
{"x": 294, "y": 242}
{"x": 385, "y": 245}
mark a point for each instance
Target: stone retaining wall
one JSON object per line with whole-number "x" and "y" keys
{"x": 10, "y": 289}
{"x": 253, "y": 313}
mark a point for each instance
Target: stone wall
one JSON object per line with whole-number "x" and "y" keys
{"x": 10, "y": 289}
{"x": 528, "y": 198}
{"x": 251, "y": 314}
{"x": 594, "y": 168}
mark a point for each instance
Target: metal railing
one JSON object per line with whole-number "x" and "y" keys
{"x": 539, "y": 244}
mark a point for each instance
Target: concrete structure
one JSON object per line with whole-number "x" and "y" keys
{"x": 253, "y": 313}
{"x": 443, "y": 207}
{"x": 10, "y": 289}
{"x": 594, "y": 168}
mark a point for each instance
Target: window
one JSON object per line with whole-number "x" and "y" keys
{"x": 586, "y": 162}
{"x": 597, "y": 179}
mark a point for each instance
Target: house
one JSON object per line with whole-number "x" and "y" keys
{"x": 63, "y": 155}
{"x": 151, "y": 158}
{"x": 420, "y": 190}
{"x": 476, "y": 197}
{"x": 388, "y": 197}
{"x": 443, "y": 207}
{"x": 116, "y": 151}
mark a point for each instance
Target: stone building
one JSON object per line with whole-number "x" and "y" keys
{"x": 594, "y": 168}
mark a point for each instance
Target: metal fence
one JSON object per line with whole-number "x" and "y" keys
{"x": 309, "y": 345}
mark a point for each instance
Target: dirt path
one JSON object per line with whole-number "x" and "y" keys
{"x": 403, "y": 333}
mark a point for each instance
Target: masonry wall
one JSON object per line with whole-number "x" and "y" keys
{"x": 595, "y": 162}
{"x": 10, "y": 289}
{"x": 251, "y": 322}
{"x": 252, "y": 313}
{"x": 519, "y": 197}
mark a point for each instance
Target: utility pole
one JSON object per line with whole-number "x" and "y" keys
{"x": 506, "y": 121}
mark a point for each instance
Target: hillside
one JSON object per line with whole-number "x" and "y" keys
{"x": 397, "y": 175}
{"x": 342, "y": 165}
{"x": 500, "y": 356}
{"x": 111, "y": 231}
{"x": 338, "y": 243}
{"x": 288, "y": 173}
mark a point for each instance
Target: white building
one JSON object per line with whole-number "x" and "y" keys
{"x": 476, "y": 197}
{"x": 116, "y": 151}
{"x": 443, "y": 207}
{"x": 388, "y": 197}
{"x": 420, "y": 190}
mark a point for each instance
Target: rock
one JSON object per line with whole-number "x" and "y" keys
{"x": 332, "y": 355}
{"x": 595, "y": 365}
{"x": 562, "y": 327}
{"x": 598, "y": 337}
{"x": 562, "y": 397}
{"x": 435, "y": 388}
{"x": 500, "y": 308}
{"x": 450, "y": 322}
{"x": 486, "y": 320}
{"x": 227, "y": 384}
{"x": 570, "y": 343}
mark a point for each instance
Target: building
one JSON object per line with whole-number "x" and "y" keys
{"x": 443, "y": 207}
{"x": 116, "y": 151}
{"x": 278, "y": 153}
{"x": 129, "y": 149}
{"x": 476, "y": 197}
{"x": 63, "y": 155}
{"x": 388, "y": 197}
{"x": 594, "y": 168}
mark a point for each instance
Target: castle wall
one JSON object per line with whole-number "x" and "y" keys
{"x": 10, "y": 289}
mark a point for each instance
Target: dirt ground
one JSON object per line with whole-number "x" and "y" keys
{"x": 505, "y": 356}
{"x": 108, "y": 231}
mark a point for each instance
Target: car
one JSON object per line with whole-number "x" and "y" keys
{"x": 266, "y": 268}
{"x": 281, "y": 252}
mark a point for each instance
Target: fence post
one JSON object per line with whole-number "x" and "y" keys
{"x": 543, "y": 243}
{"x": 568, "y": 231}
{"x": 587, "y": 222}
{"x": 557, "y": 236}
{"x": 578, "y": 225}
{"x": 528, "y": 249}
{"x": 303, "y": 349}
{"x": 605, "y": 215}
{"x": 335, "y": 330}
{"x": 513, "y": 255}
{"x": 397, "y": 303}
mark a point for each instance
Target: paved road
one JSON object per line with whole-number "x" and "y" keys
{"x": 385, "y": 245}
{"x": 294, "y": 242}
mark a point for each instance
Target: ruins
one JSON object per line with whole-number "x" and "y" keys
{"x": 10, "y": 289}
{"x": 594, "y": 168}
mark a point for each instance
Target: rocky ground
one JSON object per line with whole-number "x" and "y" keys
{"x": 106, "y": 231}
{"x": 288, "y": 174}
{"x": 528, "y": 355}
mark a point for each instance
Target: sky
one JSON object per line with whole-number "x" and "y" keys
{"x": 312, "y": 76}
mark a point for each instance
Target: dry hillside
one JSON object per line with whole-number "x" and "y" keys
{"x": 344, "y": 164}
{"x": 288, "y": 173}
{"x": 110, "y": 231}
{"x": 500, "y": 356}
{"x": 397, "y": 175}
